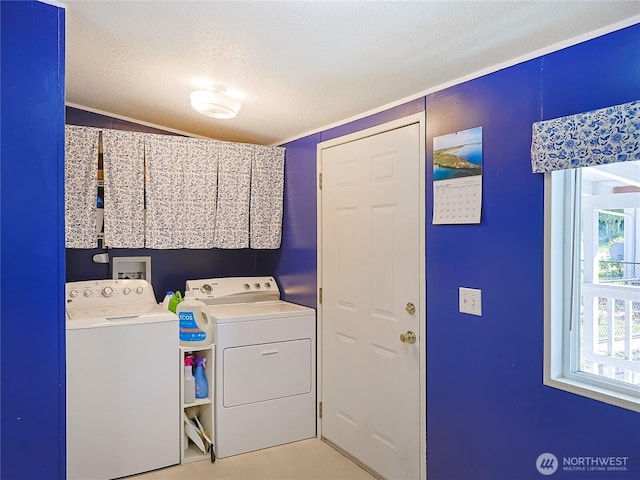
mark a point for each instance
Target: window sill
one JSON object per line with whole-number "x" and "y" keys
{"x": 595, "y": 393}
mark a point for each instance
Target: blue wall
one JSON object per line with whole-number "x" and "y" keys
{"x": 32, "y": 359}
{"x": 488, "y": 414}
{"x": 488, "y": 406}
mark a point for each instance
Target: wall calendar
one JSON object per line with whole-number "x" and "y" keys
{"x": 457, "y": 177}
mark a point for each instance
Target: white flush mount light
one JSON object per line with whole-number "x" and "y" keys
{"x": 215, "y": 103}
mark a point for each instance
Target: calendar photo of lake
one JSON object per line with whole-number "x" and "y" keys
{"x": 457, "y": 154}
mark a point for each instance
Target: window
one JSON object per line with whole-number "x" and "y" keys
{"x": 592, "y": 295}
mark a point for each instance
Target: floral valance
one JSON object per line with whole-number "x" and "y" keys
{"x": 598, "y": 137}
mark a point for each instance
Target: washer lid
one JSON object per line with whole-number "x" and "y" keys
{"x": 243, "y": 312}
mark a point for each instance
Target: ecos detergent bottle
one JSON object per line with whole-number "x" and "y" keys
{"x": 196, "y": 325}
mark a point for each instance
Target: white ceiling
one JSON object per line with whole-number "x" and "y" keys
{"x": 302, "y": 65}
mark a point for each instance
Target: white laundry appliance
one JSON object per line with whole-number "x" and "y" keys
{"x": 265, "y": 375}
{"x": 123, "y": 410}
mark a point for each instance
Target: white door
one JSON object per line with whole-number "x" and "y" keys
{"x": 370, "y": 278}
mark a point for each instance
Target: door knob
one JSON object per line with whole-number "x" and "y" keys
{"x": 408, "y": 337}
{"x": 410, "y": 308}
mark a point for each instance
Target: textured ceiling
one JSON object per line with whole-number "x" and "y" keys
{"x": 302, "y": 65}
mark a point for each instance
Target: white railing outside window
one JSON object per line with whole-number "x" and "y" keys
{"x": 609, "y": 333}
{"x": 610, "y": 344}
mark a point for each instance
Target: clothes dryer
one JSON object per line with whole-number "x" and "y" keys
{"x": 265, "y": 376}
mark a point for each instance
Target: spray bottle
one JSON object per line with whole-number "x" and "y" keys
{"x": 167, "y": 299}
{"x": 202, "y": 386}
{"x": 189, "y": 381}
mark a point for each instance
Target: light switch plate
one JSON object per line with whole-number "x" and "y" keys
{"x": 470, "y": 301}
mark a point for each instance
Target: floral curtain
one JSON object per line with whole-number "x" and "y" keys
{"x": 123, "y": 189}
{"x": 598, "y": 137}
{"x": 200, "y": 194}
{"x": 164, "y": 185}
{"x": 267, "y": 186}
{"x": 81, "y": 186}
{"x": 181, "y": 192}
{"x": 234, "y": 184}
{"x": 165, "y": 192}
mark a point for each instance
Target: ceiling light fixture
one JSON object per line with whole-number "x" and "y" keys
{"x": 215, "y": 103}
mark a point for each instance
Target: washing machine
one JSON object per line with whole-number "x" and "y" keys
{"x": 265, "y": 375}
{"x": 123, "y": 397}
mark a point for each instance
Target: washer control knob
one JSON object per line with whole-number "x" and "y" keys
{"x": 88, "y": 292}
{"x": 107, "y": 291}
{"x": 267, "y": 285}
{"x": 257, "y": 285}
{"x": 126, "y": 290}
{"x": 206, "y": 288}
{"x": 139, "y": 290}
{"x": 73, "y": 293}
{"x": 246, "y": 286}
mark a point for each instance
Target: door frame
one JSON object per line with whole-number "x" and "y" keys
{"x": 420, "y": 119}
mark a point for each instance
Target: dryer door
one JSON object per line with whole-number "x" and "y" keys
{"x": 267, "y": 371}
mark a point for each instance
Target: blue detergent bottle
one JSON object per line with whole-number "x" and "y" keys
{"x": 202, "y": 386}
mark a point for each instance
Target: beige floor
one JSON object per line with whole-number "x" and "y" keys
{"x": 306, "y": 460}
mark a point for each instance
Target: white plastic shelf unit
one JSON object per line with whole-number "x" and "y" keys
{"x": 202, "y": 407}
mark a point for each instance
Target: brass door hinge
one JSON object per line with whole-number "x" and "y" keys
{"x": 320, "y": 410}
{"x": 320, "y": 181}
{"x": 320, "y": 295}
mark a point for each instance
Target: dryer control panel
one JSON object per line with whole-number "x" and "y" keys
{"x": 215, "y": 291}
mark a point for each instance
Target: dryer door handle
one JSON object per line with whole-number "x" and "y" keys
{"x": 266, "y": 353}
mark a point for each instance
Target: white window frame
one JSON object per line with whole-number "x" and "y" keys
{"x": 557, "y": 312}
